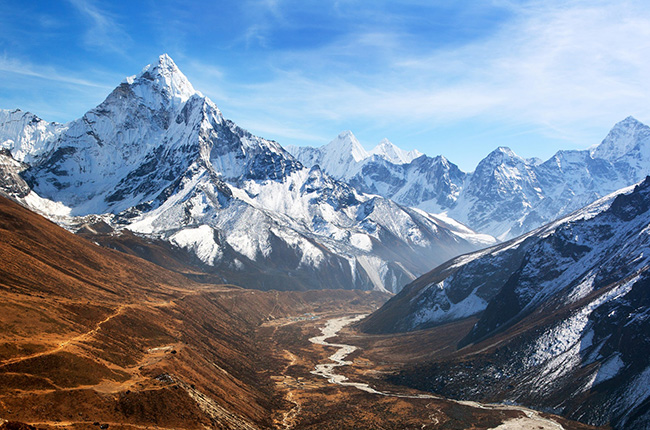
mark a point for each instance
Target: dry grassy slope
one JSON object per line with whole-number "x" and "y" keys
{"x": 40, "y": 257}
{"x": 89, "y": 334}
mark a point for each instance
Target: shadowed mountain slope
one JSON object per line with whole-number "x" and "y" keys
{"x": 562, "y": 316}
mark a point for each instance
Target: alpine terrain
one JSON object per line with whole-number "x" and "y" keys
{"x": 157, "y": 159}
{"x": 556, "y": 319}
{"x": 506, "y": 195}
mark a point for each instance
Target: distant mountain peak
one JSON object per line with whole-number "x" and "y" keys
{"x": 627, "y": 125}
{"x": 346, "y": 144}
{"x": 505, "y": 150}
{"x": 346, "y": 134}
{"x": 622, "y": 139}
{"x": 499, "y": 156}
{"x": 393, "y": 153}
{"x": 630, "y": 120}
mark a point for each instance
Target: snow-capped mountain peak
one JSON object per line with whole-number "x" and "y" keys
{"x": 340, "y": 155}
{"x": 622, "y": 139}
{"x": 502, "y": 159}
{"x": 165, "y": 78}
{"x": 106, "y": 160}
{"x": 346, "y": 144}
{"x": 502, "y": 153}
{"x": 387, "y": 149}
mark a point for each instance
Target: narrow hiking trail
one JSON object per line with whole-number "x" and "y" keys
{"x": 63, "y": 344}
{"x": 119, "y": 310}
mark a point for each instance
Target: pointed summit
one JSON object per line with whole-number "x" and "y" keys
{"x": 389, "y": 151}
{"x": 341, "y": 155}
{"x": 162, "y": 78}
{"x": 165, "y": 62}
{"x": 501, "y": 155}
{"x": 346, "y": 145}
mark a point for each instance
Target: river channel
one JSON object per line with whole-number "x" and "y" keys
{"x": 531, "y": 420}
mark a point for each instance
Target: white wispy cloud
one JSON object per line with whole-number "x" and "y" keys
{"x": 104, "y": 31}
{"x": 553, "y": 65}
{"x": 48, "y": 73}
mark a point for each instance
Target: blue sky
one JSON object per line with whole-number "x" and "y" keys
{"x": 454, "y": 78}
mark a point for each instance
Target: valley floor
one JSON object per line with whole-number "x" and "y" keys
{"x": 217, "y": 357}
{"x": 339, "y": 396}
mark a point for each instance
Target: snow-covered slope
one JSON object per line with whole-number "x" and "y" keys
{"x": 567, "y": 305}
{"x": 506, "y": 195}
{"x": 158, "y": 158}
{"x": 26, "y": 136}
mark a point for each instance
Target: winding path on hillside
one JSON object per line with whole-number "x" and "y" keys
{"x": 531, "y": 420}
{"x": 75, "y": 339}
{"x": 90, "y": 334}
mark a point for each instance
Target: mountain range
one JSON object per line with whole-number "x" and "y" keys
{"x": 157, "y": 158}
{"x": 560, "y": 317}
{"x": 506, "y": 195}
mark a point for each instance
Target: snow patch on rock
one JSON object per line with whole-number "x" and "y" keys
{"x": 201, "y": 241}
